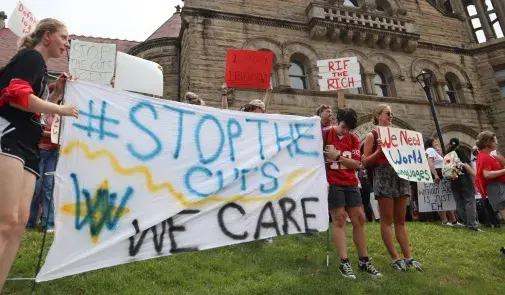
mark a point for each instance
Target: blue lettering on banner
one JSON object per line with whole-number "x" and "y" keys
{"x": 179, "y": 127}
{"x": 157, "y": 149}
{"x": 243, "y": 186}
{"x": 199, "y": 126}
{"x": 279, "y": 139}
{"x": 189, "y": 186}
{"x": 100, "y": 119}
{"x": 233, "y": 134}
{"x": 275, "y": 184}
{"x": 414, "y": 158}
{"x": 301, "y": 135}
{"x": 260, "y": 138}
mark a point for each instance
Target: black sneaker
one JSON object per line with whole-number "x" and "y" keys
{"x": 346, "y": 270}
{"x": 368, "y": 267}
{"x": 413, "y": 263}
{"x": 399, "y": 265}
{"x": 502, "y": 251}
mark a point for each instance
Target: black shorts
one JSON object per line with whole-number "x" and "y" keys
{"x": 344, "y": 196}
{"x": 20, "y": 145}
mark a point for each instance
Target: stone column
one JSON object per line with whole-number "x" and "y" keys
{"x": 440, "y": 88}
{"x": 284, "y": 74}
{"x": 367, "y": 83}
{"x": 481, "y": 12}
{"x": 499, "y": 7}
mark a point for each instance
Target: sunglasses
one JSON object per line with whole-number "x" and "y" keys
{"x": 389, "y": 114}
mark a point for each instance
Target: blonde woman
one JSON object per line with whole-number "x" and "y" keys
{"x": 22, "y": 85}
{"x": 391, "y": 193}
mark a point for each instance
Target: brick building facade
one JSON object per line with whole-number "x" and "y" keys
{"x": 460, "y": 41}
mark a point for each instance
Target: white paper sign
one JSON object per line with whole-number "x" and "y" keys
{"x": 435, "y": 197}
{"x": 339, "y": 73}
{"x": 139, "y": 75}
{"x": 140, "y": 178}
{"x": 55, "y": 129}
{"x": 93, "y": 62}
{"x": 405, "y": 151}
{"x": 22, "y": 21}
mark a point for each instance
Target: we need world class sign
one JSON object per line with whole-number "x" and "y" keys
{"x": 405, "y": 151}
{"x": 140, "y": 178}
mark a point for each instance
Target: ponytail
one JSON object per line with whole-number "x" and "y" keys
{"x": 31, "y": 40}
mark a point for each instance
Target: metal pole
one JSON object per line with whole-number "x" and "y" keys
{"x": 435, "y": 118}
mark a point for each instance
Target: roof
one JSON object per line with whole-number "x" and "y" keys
{"x": 8, "y": 48}
{"x": 170, "y": 28}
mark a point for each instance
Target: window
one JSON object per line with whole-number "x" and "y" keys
{"x": 449, "y": 90}
{"x": 380, "y": 84}
{"x": 502, "y": 89}
{"x": 475, "y": 22}
{"x": 351, "y": 3}
{"x": 297, "y": 76}
{"x": 448, "y": 7}
{"x": 493, "y": 19}
{"x": 499, "y": 73}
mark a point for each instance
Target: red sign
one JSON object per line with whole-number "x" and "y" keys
{"x": 248, "y": 69}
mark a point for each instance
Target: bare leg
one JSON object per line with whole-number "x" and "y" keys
{"x": 386, "y": 207}
{"x": 400, "y": 207}
{"x": 443, "y": 216}
{"x": 339, "y": 234}
{"x": 17, "y": 192}
{"x": 357, "y": 216}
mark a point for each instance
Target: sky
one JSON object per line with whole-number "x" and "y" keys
{"x": 130, "y": 20}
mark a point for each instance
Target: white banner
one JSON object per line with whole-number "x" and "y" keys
{"x": 22, "y": 21}
{"x": 93, "y": 62}
{"x": 138, "y": 75}
{"x": 339, "y": 73}
{"x": 435, "y": 197}
{"x": 140, "y": 178}
{"x": 405, "y": 151}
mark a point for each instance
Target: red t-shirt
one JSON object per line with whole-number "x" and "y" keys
{"x": 348, "y": 145}
{"x": 486, "y": 162}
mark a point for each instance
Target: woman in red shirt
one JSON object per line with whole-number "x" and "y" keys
{"x": 391, "y": 193}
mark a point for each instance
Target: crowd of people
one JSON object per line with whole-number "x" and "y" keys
{"x": 354, "y": 170}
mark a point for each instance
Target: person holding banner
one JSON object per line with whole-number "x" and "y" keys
{"x": 391, "y": 192}
{"x": 342, "y": 150}
{"x": 192, "y": 98}
{"x": 436, "y": 162}
{"x": 23, "y": 84}
{"x": 255, "y": 106}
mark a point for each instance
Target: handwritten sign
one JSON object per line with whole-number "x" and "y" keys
{"x": 435, "y": 197}
{"x": 55, "y": 129}
{"x": 22, "y": 21}
{"x": 339, "y": 73}
{"x": 248, "y": 69}
{"x": 140, "y": 178}
{"x": 93, "y": 62}
{"x": 138, "y": 75}
{"x": 404, "y": 150}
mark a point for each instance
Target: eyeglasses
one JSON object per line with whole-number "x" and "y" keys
{"x": 389, "y": 114}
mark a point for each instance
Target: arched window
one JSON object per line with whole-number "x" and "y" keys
{"x": 490, "y": 17}
{"x": 383, "y": 81}
{"x": 475, "y": 22}
{"x": 433, "y": 85}
{"x": 453, "y": 90}
{"x": 351, "y": 3}
{"x": 297, "y": 75}
{"x": 450, "y": 91}
{"x": 380, "y": 84}
{"x": 360, "y": 89}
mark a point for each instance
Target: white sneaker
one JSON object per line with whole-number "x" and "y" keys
{"x": 269, "y": 240}
{"x": 458, "y": 224}
{"x": 448, "y": 224}
{"x": 348, "y": 220}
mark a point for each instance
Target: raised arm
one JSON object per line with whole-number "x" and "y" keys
{"x": 266, "y": 99}
{"x": 224, "y": 97}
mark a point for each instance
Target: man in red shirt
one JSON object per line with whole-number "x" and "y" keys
{"x": 342, "y": 151}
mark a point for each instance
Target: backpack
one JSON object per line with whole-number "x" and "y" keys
{"x": 450, "y": 168}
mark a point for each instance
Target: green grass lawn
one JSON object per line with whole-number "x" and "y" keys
{"x": 456, "y": 261}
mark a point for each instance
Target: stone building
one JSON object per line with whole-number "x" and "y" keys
{"x": 460, "y": 41}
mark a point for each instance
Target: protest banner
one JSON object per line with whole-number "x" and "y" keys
{"x": 138, "y": 75}
{"x": 405, "y": 151}
{"x": 22, "y": 21}
{"x": 248, "y": 68}
{"x": 93, "y": 62}
{"x": 55, "y": 129}
{"x": 339, "y": 73}
{"x": 434, "y": 197}
{"x": 140, "y": 178}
